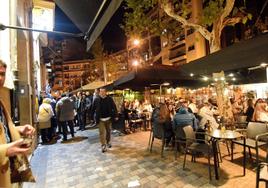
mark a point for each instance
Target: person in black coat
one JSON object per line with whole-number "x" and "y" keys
{"x": 105, "y": 112}
{"x": 250, "y": 110}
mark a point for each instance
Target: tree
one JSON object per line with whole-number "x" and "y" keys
{"x": 97, "y": 51}
{"x": 217, "y": 14}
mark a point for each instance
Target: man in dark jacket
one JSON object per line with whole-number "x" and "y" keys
{"x": 105, "y": 112}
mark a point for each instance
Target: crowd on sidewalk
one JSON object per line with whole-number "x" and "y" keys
{"x": 57, "y": 114}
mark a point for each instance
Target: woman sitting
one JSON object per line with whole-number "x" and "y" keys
{"x": 260, "y": 112}
{"x": 161, "y": 121}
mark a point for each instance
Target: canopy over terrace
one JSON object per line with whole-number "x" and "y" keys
{"x": 242, "y": 59}
{"x": 90, "y": 16}
{"x": 153, "y": 76}
{"x": 93, "y": 85}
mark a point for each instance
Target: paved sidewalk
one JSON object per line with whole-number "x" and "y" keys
{"x": 81, "y": 164}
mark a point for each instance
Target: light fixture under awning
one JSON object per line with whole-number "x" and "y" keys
{"x": 90, "y": 16}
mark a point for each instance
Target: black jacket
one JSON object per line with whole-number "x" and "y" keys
{"x": 108, "y": 102}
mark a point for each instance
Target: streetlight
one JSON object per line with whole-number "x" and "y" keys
{"x": 136, "y": 42}
{"x": 135, "y": 63}
{"x": 164, "y": 84}
{"x": 160, "y": 88}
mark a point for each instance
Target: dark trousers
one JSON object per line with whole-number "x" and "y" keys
{"x": 65, "y": 130}
{"x": 80, "y": 121}
{"x": 87, "y": 115}
{"x": 45, "y": 135}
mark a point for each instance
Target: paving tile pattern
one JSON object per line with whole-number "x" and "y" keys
{"x": 81, "y": 164}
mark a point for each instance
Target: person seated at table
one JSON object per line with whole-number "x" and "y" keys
{"x": 184, "y": 117}
{"x": 193, "y": 106}
{"x": 260, "y": 112}
{"x": 250, "y": 110}
{"x": 207, "y": 113}
{"x": 236, "y": 108}
{"x": 147, "y": 107}
{"x": 161, "y": 117}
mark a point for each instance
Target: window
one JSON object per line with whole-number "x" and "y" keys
{"x": 190, "y": 48}
{"x": 190, "y": 31}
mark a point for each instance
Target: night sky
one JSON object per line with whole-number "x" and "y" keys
{"x": 113, "y": 36}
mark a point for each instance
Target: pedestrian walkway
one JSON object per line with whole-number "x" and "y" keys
{"x": 81, "y": 164}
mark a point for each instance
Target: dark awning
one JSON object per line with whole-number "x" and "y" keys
{"x": 153, "y": 76}
{"x": 90, "y": 16}
{"x": 242, "y": 55}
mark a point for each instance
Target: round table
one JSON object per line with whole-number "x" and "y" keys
{"x": 225, "y": 135}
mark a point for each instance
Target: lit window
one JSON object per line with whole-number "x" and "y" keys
{"x": 165, "y": 43}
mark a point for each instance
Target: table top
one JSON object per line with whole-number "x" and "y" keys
{"x": 227, "y": 134}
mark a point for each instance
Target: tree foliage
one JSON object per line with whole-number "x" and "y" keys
{"x": 138, "y": 19}
{"x": 97, "y": 49}
{"x": 215, "y": 16}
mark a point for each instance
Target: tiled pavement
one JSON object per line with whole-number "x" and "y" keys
{"x": 81, "y": 164}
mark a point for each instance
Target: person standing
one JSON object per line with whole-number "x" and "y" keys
{"x": 105, "y": 111}
{"x": 80, "y": 111}
{"x": 11, "y": 143}
{"x": 65, "y": 113}
{"x": 44, "y": 118}
{"x": 96, "y": 98}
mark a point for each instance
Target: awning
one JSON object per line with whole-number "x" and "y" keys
{"x": 92, "y": 86}
{"x": 242, "y": 55}
{"x": 153, "y": 76}
{"x": 90, "y": 16}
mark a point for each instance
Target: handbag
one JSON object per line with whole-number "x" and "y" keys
{"x": 20, "y": 169}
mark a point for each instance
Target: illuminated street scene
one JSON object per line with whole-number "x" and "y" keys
{"x": 133, "y": 93}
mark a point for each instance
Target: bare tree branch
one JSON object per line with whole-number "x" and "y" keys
{"x": 169, "y": 10}
{"x": 227, "y": 9}
{"x": 231, "y": 21}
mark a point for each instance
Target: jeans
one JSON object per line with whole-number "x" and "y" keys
{"x": 105, "y": 131}
{"x": 65, "y": 130}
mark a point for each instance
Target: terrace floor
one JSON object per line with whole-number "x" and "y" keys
{"x": 80, "y": 163}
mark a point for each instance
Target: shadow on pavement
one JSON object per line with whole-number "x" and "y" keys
{"x": 75, "y": 140}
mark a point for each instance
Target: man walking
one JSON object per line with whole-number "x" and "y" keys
{"x": 106, "y": 111}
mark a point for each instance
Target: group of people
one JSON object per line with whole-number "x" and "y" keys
{"x": 172, "y": 114}
{"x": 74, "y": 110}
{"x": 68, "y": 110}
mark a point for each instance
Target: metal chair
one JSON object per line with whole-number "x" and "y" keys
{"x": 158, "y": 132}
{"x": 256, "y": 134}
{"x": 179, "y": 138}
{"x": 241, "y": 122}
{"x": 262, "y": 171}
{"x": 195, "y": 146}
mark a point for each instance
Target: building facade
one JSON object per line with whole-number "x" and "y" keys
{"x": 71, "y": 75}
{"x": 20, "y": 49}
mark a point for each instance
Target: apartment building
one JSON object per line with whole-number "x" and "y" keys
{"x": 70, "y": 75}
{"x": 172, "y": 49}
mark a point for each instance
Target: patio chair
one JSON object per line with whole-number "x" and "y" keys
{"x": 135, "y": 121}
{"x": 256, "y": 135}
{"x": 179, "y": 139}
{"x": 262, "y": 171}
{"x": 158, "y": 133}
{"x": 241, "y": 122}
{"x": 195, "y": 146}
